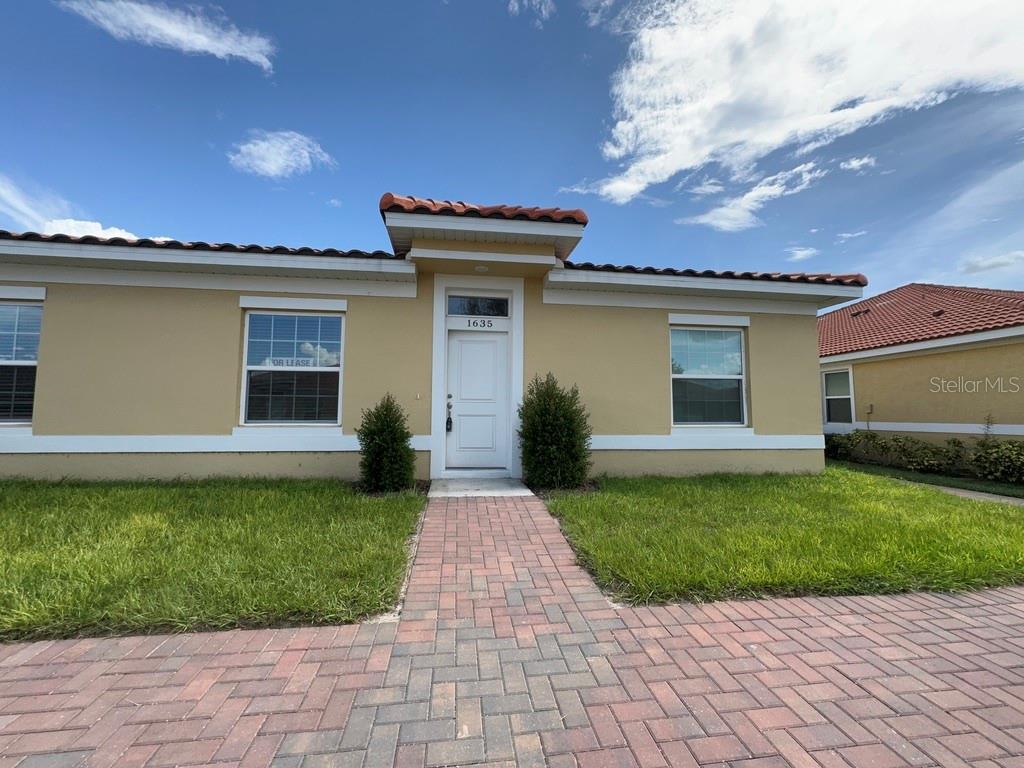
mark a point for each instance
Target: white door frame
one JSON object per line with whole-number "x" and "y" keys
{"x": 443, "y": 285}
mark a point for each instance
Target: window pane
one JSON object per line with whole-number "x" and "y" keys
{"x": 259, "y": 327}
{"x": 6, "y": 346}
{"x": 837, "y": 384}
{"x": 8, "y": 318}
{"x": 30, "y": 319}
{"x": 294, "y": 341}
{"x": 17, "y": 392}
{"x": 707, "y": 401}
{"x": 26, "y": 346}
{"x": 838, "y": 410}
{"x": 481, "y": 306}
{"x": 292, "y": 396}
{"x": 707, "y": 352}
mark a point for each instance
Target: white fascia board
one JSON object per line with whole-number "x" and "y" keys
{"x": 348, "y": 285}
{"x": 706, "y": 440}
{"x": 283, "y": 302}
{"x": 953, "y": 428}
{"x": 107, "y": 256}
{"x": 821, "y": 294}
{"x": 22, "y": 293}
{"x": 738, "y": 321}
{"x": 417, "y": 254}
{"x": 483, "y": 225}
{"x": 924, "y": 346}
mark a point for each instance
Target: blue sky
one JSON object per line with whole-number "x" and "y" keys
{"x": 886, "y": 139}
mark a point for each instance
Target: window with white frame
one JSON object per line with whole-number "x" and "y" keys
{"x": 19, "y": 352}
{"x": 292, "y": 368}
{"x": 707, "y": 376}
{"x": 838, "y": 397}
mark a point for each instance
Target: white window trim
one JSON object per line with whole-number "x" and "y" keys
{"x": 30, "y": 297}
{"x": 732, "y": 321}
{"x": 22, "y": 293}
{"x": 311, "y": 369}
{"x": 744, "y": 423}
{"x": 285, "y": 302}
{"x": 825, "y": 398}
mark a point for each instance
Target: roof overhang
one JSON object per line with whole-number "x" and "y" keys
{"x": 808, "y": 294}
{"x": 206, "y": 262}
{"x": 404, "y": 227}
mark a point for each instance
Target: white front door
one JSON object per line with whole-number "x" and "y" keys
{"x": 477, "y": 400}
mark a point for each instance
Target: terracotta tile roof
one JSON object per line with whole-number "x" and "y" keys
{"x": 917, "y": 312}
{"x": 193, "y": 246}
{"x": 407, "y": 204}
{"x": 781, "y": 277}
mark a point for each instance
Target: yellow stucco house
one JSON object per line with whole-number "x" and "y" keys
{"x": 161, "y": 359}
{"x": 932, "y": 361}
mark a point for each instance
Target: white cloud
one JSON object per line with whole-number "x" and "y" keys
{"x": 189, "y": 29}
{"x": 48, "y": 213}
{"x": 858, "y": 163}
{"x": 842, "y": 237}
{"x": 278, "y": 154}
{"x": 596, "y": 11}
{"x": 541, "y": 9}
{"x": 729, "y": 82}
{"x": 707, "y": 187}
{"x": 813, "y": 230}
{"x": 801, "y": 253}
{"x": 974, "y": 264}
{"x": 739, "y": 213}
{"x": 334, "y": 202}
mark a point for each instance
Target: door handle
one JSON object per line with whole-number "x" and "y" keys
{"x": 448, "y": 421}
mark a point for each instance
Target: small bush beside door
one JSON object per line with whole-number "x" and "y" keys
{"x": 387, "y": 460}
{"x": 554, "y": 435}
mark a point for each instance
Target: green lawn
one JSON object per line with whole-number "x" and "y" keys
{"x": 967, "y": 483}
{"x": 843, "y": 532}
{"x": 112, "y": 558}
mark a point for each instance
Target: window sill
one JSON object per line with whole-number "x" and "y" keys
{"x": 16, "y": 429}
{"x": 286, "y": 430}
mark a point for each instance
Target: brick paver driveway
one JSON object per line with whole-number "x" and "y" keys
{"x": 507, "y": 653}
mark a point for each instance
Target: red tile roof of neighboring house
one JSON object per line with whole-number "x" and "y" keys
{"x": 783, "y": 277}
{"x": 193, "y": 246}
{"x": 917, "y": 312}
{"x": 407, "y": 204}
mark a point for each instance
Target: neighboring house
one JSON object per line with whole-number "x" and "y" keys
{"x": 158, "y": 359}
{"x": 934, "y": 361}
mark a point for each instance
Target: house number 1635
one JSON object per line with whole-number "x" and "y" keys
{"x": 475, "y": 322}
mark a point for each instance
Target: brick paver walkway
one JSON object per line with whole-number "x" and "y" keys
{"x": 507, "y": 653}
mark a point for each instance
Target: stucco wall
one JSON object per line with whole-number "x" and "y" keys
{"x": 902, "y": 389}
{"x": 677, "y": 463}
{"x": 146, "y": 361}
{"x": 619, "y": 358}
{"x": 169, "y": 466}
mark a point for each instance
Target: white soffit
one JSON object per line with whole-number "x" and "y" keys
{"x": 403, "y": 228}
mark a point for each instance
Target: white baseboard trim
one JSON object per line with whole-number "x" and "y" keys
{"x": 706, "y": 441}
{"x": 954, "y": 428}
{"x": 243, "y": 440}
{"x": 331, "y": 440}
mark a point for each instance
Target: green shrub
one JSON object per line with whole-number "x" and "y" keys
{"x": 387, "y": 460}
{"x": 999, "y": 460}
{"x": 554, "y": 435}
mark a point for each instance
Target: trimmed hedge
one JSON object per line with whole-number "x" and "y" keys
{"x": 554, "y": 435}
{"x": 987, "y": 458}
{"x": 386, "y": 461}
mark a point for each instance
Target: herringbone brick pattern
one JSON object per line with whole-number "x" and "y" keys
{"x": 506, "y": 653}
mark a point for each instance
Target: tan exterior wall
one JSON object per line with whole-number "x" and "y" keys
{"x": 901, "y": 388}
{"x": 170, "y": 466}
{"x": 146, "y": 361}
{"x": 676, "y": 463}
{"x": 619, "y": 358}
